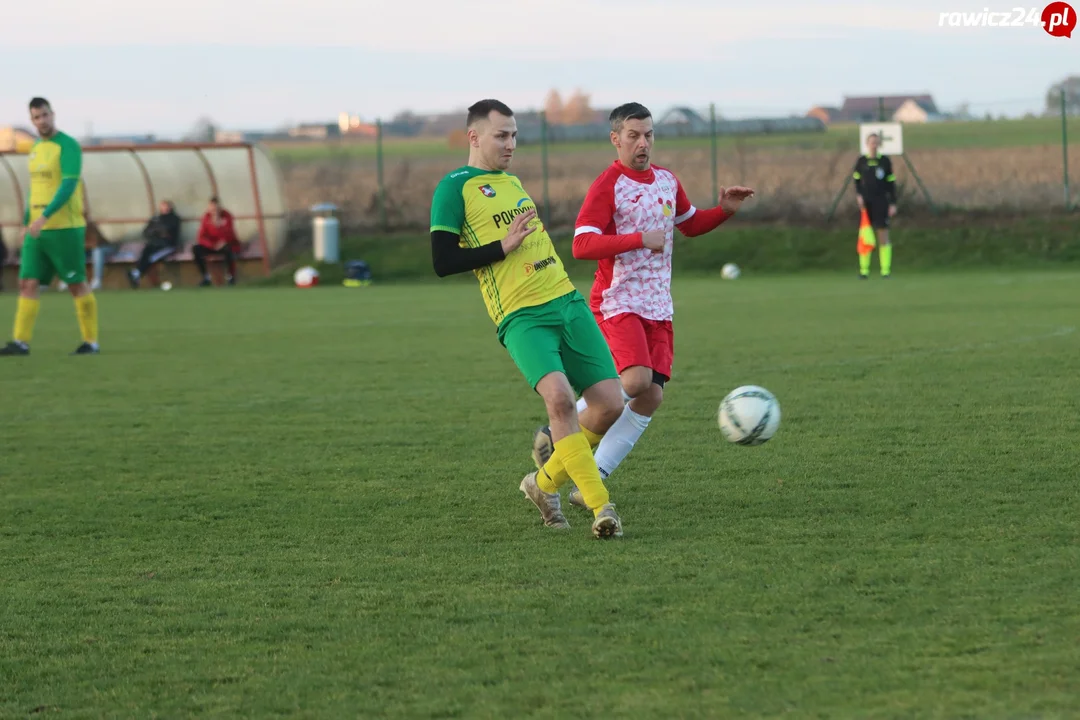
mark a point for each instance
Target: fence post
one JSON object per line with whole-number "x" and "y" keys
{"x": 546, "y": 217}
{"x": 712, "y": 139}
{"x": 881, "y": 109}
{"x": 1065, "y": 149}
{"x": 379, "y": 173}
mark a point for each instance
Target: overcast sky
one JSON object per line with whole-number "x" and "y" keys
{"x": 259, "y": 65}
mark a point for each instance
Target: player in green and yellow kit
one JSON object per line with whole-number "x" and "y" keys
{"x": 55, "y": 240}
{"x": 483, "y": 220}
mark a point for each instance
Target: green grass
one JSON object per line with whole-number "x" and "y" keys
{"x": 944, "y": 135}
{"x": 304, "y": 503}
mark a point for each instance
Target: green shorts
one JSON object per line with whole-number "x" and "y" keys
{"x": 54, "y": 253}
{"x": 559, "y": 336}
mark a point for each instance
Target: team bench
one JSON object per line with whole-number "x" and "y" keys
{"x": 179, "y": 269}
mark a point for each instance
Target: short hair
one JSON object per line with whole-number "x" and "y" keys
{"x": 214, "y": 199}
{"x": 481, "y": 109}
{"x": 628, "y": 111}
{"x": 873, "y": 135}
{"x": 38, "y": 103}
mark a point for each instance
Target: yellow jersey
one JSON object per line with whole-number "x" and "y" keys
{"x": 51, "y": 162}
{"x": 478, "y": 206}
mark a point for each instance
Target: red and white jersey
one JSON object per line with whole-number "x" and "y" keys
{"x": 624, "y": 201}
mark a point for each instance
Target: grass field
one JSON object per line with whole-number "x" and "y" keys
{"x": 275, "y": 502}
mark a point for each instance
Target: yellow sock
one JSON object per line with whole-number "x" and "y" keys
{"x": 592, "y": 437}
{"x": 26, "y": 313}
{"x": 86, "y": 310}
{"x": 577, "y": 459}
{"x": 864, "y": 263}
{"x": 885, "y": 258}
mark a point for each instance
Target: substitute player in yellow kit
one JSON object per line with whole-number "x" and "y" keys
{"x": 55, "y": 240}
{"x": 483, "y": 221}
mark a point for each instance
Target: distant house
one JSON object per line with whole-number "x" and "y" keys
{"x": 684, "y": 117}
{"x": 911, "y": 108}
{"x": 868, "y": 108}
{"x": 316, "y": 131}
{"x": 912, "y": 111}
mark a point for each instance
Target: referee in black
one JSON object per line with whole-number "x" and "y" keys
{"x": 875, "y": 189}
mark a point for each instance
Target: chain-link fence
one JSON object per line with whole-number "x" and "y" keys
{"x": 990, "y": 165}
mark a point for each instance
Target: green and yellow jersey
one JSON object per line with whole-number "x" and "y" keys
{"x": 479, "y": 205}
{"x": 52, "y": 162}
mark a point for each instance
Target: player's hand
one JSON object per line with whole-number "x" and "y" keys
{"x": 732, "y": 198}
{"x": 654, "y": 240}
{"x": 892, "y": 210}
{"x": 519, "y": 230}
{"x": 858, "y": 199}
{"x": 35, "y": 227}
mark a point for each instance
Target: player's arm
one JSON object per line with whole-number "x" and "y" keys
{"x": 890, "y": 180}
{"x": 70, "y": 170}
{"x": 449, "y": 258}
{"x": 447, "y": 219}
{"x": 857, "y": 176}
{"x": 594, "y": 232}
{"x": 693, "y": 222}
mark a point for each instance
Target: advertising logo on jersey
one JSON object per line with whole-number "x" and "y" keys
{"x": 488, "y": 191}
{"x": 668, "y": 208}
{"x": 539, "y": 265}
{"x": 504, "y": 218}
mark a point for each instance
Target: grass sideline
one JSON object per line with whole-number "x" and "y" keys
{"x": 284, "y": 502}
{"x": 963, "y": 240}
{"x": 967, "y": 134}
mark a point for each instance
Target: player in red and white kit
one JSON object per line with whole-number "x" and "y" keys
{"x": 627, "y": 223}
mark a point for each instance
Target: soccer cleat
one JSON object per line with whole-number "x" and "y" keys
{"x": 86, "y": 349}
{"x": 549, "y": 504}
{"x": 607, "y": 523}
{"x": 133, "y": 279}
{"x": 576, "y": 499}
{"x": 15, "y": 348}
{"x": 542, "y": 448}
{"x": 863, "y": 276}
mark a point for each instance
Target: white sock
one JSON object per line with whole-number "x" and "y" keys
{"x": 581, "y": 404}
{"x": 620, "y": 440}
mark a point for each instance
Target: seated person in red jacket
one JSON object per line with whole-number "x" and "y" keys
{"x": 217, "y": 236}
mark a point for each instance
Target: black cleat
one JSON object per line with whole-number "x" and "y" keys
{"x": 863, "y": 277}
{"x": 15, "y": 348}
{"x": 86, "y": 349}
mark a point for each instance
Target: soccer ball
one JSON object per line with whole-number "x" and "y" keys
{"x": 306, "y": 277}
{"x": 730, "y": 271}
{"x": 749, "y": 415}
{"x": 166, "y": 286}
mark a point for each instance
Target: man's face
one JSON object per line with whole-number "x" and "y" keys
{"x": 43, "y": 120}
{"x": 872, "y": 144}
{"x": 496, "y": 139}
{"x": 213, "y": 208}
{"x": 634, "y": 142}
{"x": 163, "y": 208}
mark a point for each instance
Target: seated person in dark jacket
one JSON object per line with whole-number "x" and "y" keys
{"x": 162, "y": 235}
